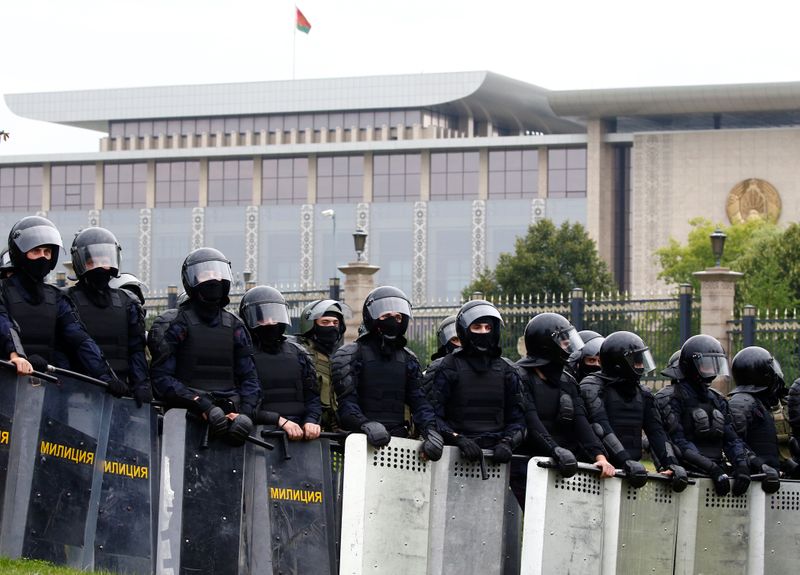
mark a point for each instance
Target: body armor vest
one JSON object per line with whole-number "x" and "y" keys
{"x": 108, "y": 327}
{"x": 762, "y": 435}
{"x": 626, "y": 418}
{"x": 382, "y": 386}
{"x": 704, "y": 425}
{"x": 205, "y": 360}
{"x": 37, "y": 322}
{"x": 281, "y": 381}
{"x": 477, "y": 399}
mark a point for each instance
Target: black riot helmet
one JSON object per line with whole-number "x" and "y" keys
{"x": 549, "y": 337}
{"x": 588, "y": 335}
{"x": 386, "y": 299}
{"x": 702, "y": 359}
{"x": 755, "y": 370}
{"x": 673, "y": 370}
{"x": 446, "y": 330}
{"x": 131, "y": 283}
{"x": 580, "y": 362}
{"x": 204, "y": 265}
{"x": 6, "y": 267}
{"x": 624, "y": 355}
{"x": 479, "y": 311}
{"x": 318, "y": 308}
{"x": 263, "y": 305}
{"x": 95, "y": 248}
{"x": 31, "y": 232}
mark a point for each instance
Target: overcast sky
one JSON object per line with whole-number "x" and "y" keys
{"x": 51, "y": 45}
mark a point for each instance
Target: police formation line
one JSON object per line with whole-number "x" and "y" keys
{"x": 574, "y": 397}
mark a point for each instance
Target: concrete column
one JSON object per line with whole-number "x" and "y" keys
{"x": 99, "y": 179}
{"x": 717, "y": 291}
{"x": 105, "y": 144}
{"x": 204, "y": 140}
{"x": 258, "y": 180}
{"x": 483, "y": 173}
{"x": 359, "y": 280}
{"x": 46, "y": 183}
{"x": 150, "y": 187}
{"x": 543, "y": 180}
{"x": 312, "y": 179}
{"x": 202, "y": 195}
{"x": 600, "y": 201}
{"x": 425, "y": 175}
{"x": 368, "y": 171}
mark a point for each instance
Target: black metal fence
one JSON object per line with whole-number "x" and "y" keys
{"x": 776, "y": 331}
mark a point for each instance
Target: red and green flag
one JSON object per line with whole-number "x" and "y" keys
{"x": 302, "y": 22}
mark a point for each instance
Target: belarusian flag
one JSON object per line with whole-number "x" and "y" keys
{"x": 302, "y": 23}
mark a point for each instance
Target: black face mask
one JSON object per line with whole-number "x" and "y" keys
{"x": 585, "y": 370}
{"x": 552, "y": 371}
{"x": 211, "y": 291}
{"x": 389, "y": 327}
{"x": 326, "y": 336}
{"x": 481, "y": 341}
{"x": 36, "y": 269}
{"x": 450, "y": 347}
{"x": 97, "y": 278}
{"x": 270, "y": 335}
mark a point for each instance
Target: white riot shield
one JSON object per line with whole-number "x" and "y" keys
{"x": 778, "y": 519}
{"x": 467, "y": 516}
{"x": 564, "y": 521}
{"x": 385, "y": 508}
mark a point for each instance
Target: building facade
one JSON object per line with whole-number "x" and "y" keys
{"x": 443, "y": 171}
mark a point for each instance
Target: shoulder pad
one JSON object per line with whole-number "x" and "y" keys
{"x": 717, "y": 392}
{"x": 592, "y": 383}
{"x": 646, "y": 391}
{"x": 411, "y": 353}
{"x": 155, "y": 337}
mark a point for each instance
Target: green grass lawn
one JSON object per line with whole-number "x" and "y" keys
{"x": 29, "y": 567}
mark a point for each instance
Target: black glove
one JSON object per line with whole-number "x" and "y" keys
{"x": 772, "y": 480}
{"x": 142, "y": 394}
{"x": 741, "y": 479}
{"x": 502, "y": 452}
{"x": 432, "y": 444}
{"x": 38, "y": 363}
{"x": 217, "y": 422}
{"x": 790, "y": 468}
{"x": 469, "y": 449}
{"x": 636, "y": 473}
{"x": 566, "y": 462}
{"x": 116, "y": 386}
{"x": 376, "y": 433}
{"x": 794, "y": 447}
{"x": 679, "y": 478}
{"x": 721, "y": 481}
{"x": 239, "y": 429}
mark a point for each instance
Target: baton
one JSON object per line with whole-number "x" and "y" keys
{"x": 40, "y": 375}
{"x": 76, "y": 375}
{"x": 550, "y": 464}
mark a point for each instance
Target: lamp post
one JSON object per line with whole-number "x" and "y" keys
{"x": 332, "y": 215}
{"x": 333, "y": 288}
{"x": 172, "y": 296}
{"x": 360, "y": 242}
{"x": 718, "y": 245}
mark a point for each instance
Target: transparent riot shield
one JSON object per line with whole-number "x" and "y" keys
{"x": 200, "y": 500}
{"x": 290, "y": 506}
{"x": 564, "y": 521}
{"x": 128, "y": 495}
{"x": 467, "y": 506}
{"x": 385, "y": 507}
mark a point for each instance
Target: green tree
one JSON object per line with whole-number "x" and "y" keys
{"x": 547, "y": 260}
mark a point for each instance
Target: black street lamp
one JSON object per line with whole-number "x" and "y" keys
{"x": 360, "y": 242}
{"x": 718, "y": 244}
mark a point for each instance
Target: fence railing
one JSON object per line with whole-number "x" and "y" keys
{"x": 774, "y": 330}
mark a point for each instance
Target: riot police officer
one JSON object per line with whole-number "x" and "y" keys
{"x": 201, "y": 354}
{"x": 759, "y": 388}
{"x": 476, "y": 392}
{"x": 793, "y": 415}
{"x": 36, "y": 317}
{"x": 130, "y": 283}
{"x": 447, "y": 337}
{"x": 698, "y": 420}
{"x": 375, "y": 376}
{"x": 290, "y": 395}
{"x": 586, "y": 360}
{"x": 552, "y": 397}
{"x": 6, "y": 267}
{"x": 114, "y": 318}
{"x": 620, "y": 408}
{"x": 321, "y": 330}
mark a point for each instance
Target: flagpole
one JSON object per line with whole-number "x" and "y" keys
{"x": 294, "y": 43}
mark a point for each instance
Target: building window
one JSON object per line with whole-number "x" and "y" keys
{"x": 396, "y": 178}
{"x": 177, "y": 184}
{"x": 284, "y": 181}
{"x": 340, "y": 179}
{"x": 454, "y": 175}
{"x": 513, "y": 174}
{"x": 21, "y": 188}
{"x": 72, "y": 187}
{"x": 124, "y": 185}
{"x": 230, "y": 182}
{"x": 566, "y": 173}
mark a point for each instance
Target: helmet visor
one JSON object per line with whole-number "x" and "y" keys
{"x": 384, "y": 305}
{"x": 592, "y": 348}
{"x": 32, "y": 237}
{"x": 477, "y": 312}
{"x": 271, "y": 313}
{"x": 641, "y": 361}
{"x": 206, "y": 271}
{"x": 448, "y": 332}
{"x": 568, "y": 340}
{"x": 93, "y": 256}
{"x": 710, "y": 365}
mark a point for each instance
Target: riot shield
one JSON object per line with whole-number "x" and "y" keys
{"x": 775, "y": 530}
{"x": 124, "y": 531}
{"x": 21, "y": 401}
{"x": 513, "y": 535}
{"x": 200, "y": 500}
{"x": 564, "y": 521}
{"x": 466, "y": 508}
{"x": 290, "y": 506}
{"x": 385, "y": 507}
